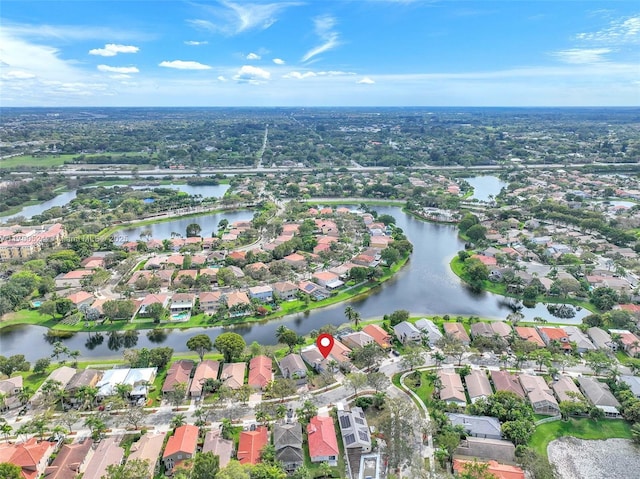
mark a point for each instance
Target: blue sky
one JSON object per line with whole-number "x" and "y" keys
{"x": 320, "y": 53}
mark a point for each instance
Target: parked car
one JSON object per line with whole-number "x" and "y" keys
{"x": 395, "y": 353}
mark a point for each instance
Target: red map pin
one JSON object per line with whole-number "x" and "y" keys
{"x": 325, "y": 344}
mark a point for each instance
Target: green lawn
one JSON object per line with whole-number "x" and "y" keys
{"x": 46, "y": 161}
{"x": 580, "y": 428}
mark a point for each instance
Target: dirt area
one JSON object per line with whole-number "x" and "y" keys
{"x": 582, "y": 459}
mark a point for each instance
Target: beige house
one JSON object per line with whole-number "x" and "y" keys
{"x": 232, "y": 374}
{"x": 148, "y": 448}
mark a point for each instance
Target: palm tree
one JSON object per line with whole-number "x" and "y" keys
{"x": 356, "y": 319}
{"x": 349, "y": 312}
{"x": 325, "y": 469}
{"x": 5, "y": 430}
{"x": 178, "y": 420}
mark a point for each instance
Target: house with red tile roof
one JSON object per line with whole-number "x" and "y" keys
{"x": 81, "y": 297}
{"x": 181, "y": 446}
{"x": 485, "y": 260}
{"x": 31, "y": 456}
{"x": 295, "y": 260}
{"x": 499, "y": 471}
{"x": 379, "y": 335}
{"x": 251, "y": 444}
{"x": 150, "y": 299}
{"x": 549, "y": 335}
{"x": 321, "y": 438}
{"x": 260, "y": 372}
{"x": 504, "y": 381}
{"x": 529, "y": 334}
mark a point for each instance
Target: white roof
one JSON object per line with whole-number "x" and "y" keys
{"x": 136, "y": 377}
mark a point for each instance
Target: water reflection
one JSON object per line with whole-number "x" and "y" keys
{"x": 158, "y": 336}
{"x": 94, "y": 341}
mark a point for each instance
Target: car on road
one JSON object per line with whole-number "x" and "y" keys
{"x": 395, "y": 353}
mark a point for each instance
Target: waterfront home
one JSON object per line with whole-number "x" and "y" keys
{"x": 10, "y": 390}
{"x": 62, "y": 375}
{"x": 379, "y": 335}
{"x": 407, "y": 333}
{"x": 179, "y": 372}
{"x": 566, "y": 389}
{"x": 481, "y": 329}
{"x": 327, "y": 279}
{"x": 315, "y": 291}
{"x": 260, "y": 372}
{"x": 150, "y": 299}
{"x": 356, "y": 340}
{"x": 539, "y": 394}
{"x": 501, "y": 328}
{"x": 601, "y": 339}
{"x": 456, "y": 330}
{"x": 559, "y": 335}
{"x": 600, "y": 396}
{"x": 530, "y": 334}
{"x": 430, "y": 330}
{"x": 138, "y": 378}
{"x": 81, "y": 379}
{"x": 81, "y": 298}
{"x": 633, "y": 382}
{"x": 494, "y": 469}
{"x": 182, "y": 302}
{"x": 494, "y": 449}
{"x": 285, "y": 290}
{"x": 263, "y": 293}
{"x": 576, "y": 336}
{"x": 232, "y": 375}
{"x": 207, "y": 369}
{"x": 210, "y": 301}
{"x": 238, "y": 303}
{"x": 182, "y": 445}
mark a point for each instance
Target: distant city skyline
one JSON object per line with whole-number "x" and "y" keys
{"x": 320, "y": 53}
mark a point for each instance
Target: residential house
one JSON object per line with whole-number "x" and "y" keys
{"x": 601, "y": 339}
{"x": 182, "y": 302}
{"x": 70, "y": 461}
{"x": 62, "y": 375}
{"x": 477, "y": 426}
{"x": 216, "y": 444}
{"x": 356, "y": 340}
{"x": 365, "y": 260}
{"x": 210, "y": 301}
{"x": 451, "y": 389}
{"x": 10, "y": 390}
{"x": 72, "y": 279}
{"x": 311, "y": 289}
{"x": 501, "y": 328}
{"x": 629, "y": 342}
{"x": 539, "y": 394}
{"x": 138, "y": 378}
{"x": 263, "y": 293}
{"x": 530, "y": 334}
{"x": 566, "y": 389}
{"x": 148, "y": 448}
{"x": 206, "y": 369}
{"x": 633, "y": 382}
{"x": 321, "y": 439}
{"x": 30, "y": 456}
{"x": 232, "y": 374}
{"x": 478, "y": 385}
{"x": 481, "y": 329}
{"x": 481, "y": 448}
{"x": 354, "y": 429}
{"x": 504, "y": 381}
{"x": 311, "y": 355}
{"x": 251, "y": 444}
{"x": 430, "y": 330}
{"x": 108, "y": 453}
{"x": 379, "y": 335}
{"x": 287, "y": 439}
{"x": 179, "y": 372}
{"x": 327, "y": 279}
{"x": 238, "y": 302}
{"x": 600, "y": 396}
{"x": 181, "y": 446}
{"x": 292, "y": 366}
{"x": 80, "y": 298}
{"x": 150, "y": 299}
{"x": 407, "y": 333}
{"x": 260, "y": 372}
{"x": 185, "y": 278}
{"x": 582, "y": 342}
{"x": 559, "y": 335}
{"x": 494, "y": 468}
{"x": 285, "y": 290}
{"x": 456, "y": 330}
{"x": 82, "y": 378}
{"x": 295, "y": 260}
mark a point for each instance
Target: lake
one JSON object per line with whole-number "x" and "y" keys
{"x": 206, "y": 191}
{"x": 485, "y": 186}
{"x": 425, "y": 285}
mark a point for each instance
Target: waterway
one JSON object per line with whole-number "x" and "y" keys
{"x": 425, "y": 285}
{"x": 206, "y": 191}
{"x": 485, "y": 186}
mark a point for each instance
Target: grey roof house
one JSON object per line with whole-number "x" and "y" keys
{"x": 601, "y": 339}
{"x": 478, "y": 385}
{"x": 407, "y": 333}
{"x": 600, "y": 396}
{"x": 354, "y": 429}
{"x": 287, "y": 439}
{"x": 583, "y": 344}
{"x": 634, "y": 384}
{"x": 426, "y": 326}
{"x": 477, "y": 426}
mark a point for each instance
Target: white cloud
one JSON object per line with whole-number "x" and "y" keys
{"x": 278, "y": 61}
{"x": 366, "y": 81}
{"x": 194, "y": 43}
{"x": 323, "y": 26}
{"x": 18, "y": 75}
{"x": 120, "y": 77}
{"x": 251, "y": 74}
{"x": 300, "y": 76}
{"x": 335, "y": 73}
{"x": 620, "y": 31}
{"x": 222, "y": 78}
{"x": 112, "y": 49}
{"x": 73, "y": 32}
{"x": 234, "y": 18}
{"x": 124, "y": 70}
{"x": 253, "y": 56}
{"x": 582, "y": 55}
{"x": 184, "y": 65}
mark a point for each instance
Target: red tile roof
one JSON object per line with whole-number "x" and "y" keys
{"x": 500, "y": 471}
{"x": 378, "y": 334}
{"x": 321, "y": 434}
{"x": 184, "y": 439}
{"x": 250, "y": 445}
